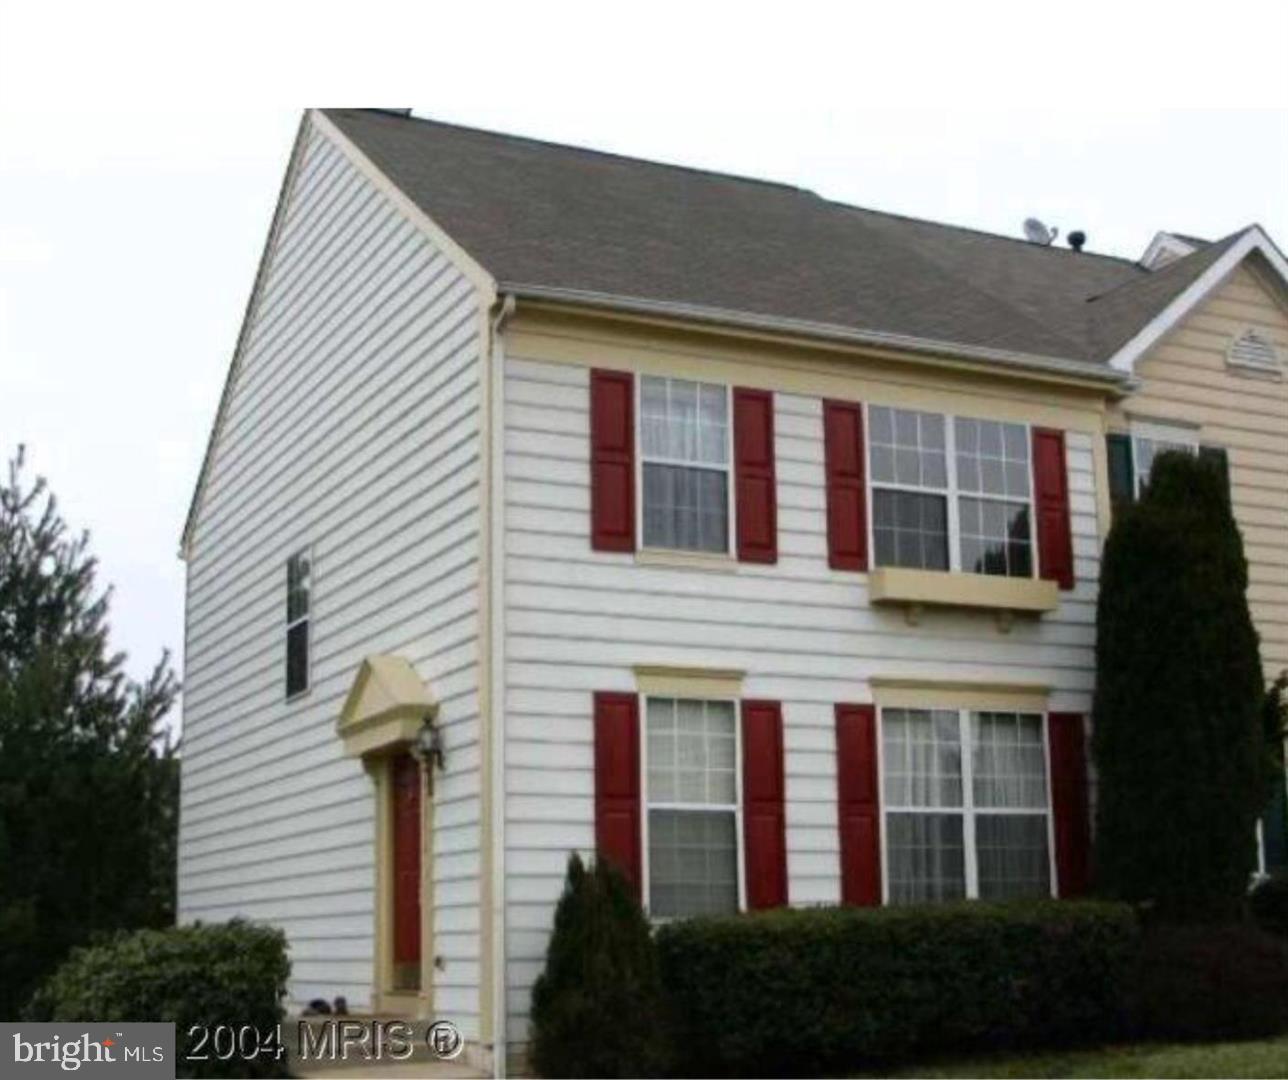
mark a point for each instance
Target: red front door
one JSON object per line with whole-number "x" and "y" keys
{"x": 406, "y": 856}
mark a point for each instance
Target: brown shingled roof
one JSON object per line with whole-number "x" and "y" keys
{"x": 541, "y": 215}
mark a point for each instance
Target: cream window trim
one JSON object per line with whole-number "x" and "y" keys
{"x": 659, "y": 680}
{"x": 687, "y": 560}
{"x": 898, "y": 692}
{"x": 941, "y": 588}
{"x": 386, "y": 707}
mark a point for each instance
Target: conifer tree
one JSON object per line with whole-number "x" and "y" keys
{"x": 597, "y": 1007}
{"x": 88, "y": 779}
{"x": 1178, "y": 739}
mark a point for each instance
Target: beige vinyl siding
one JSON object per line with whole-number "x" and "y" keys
{"x": 1186, "y": 378}
{"x": 351, "y": 426}
{"x": 577, "y": 621}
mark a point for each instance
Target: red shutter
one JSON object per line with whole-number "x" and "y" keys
{"x": 1069, "y": 803}
{"x": 847, "y": 503}
{"x": 757, "y": 493}
{"x": 858, "y": 804}
{"x": 1055, "y": 542}
{"x": 763, "y": 817}
{"x": 617, "y": 782}
{"x": 612, "y": 460}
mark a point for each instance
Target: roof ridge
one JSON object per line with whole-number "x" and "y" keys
{"x": 974, "y": 230}
{"x": 742, "y": 177}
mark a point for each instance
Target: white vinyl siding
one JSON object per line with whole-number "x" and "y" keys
{"x": 578, "y": 621}
{"x": 352, "y": 425}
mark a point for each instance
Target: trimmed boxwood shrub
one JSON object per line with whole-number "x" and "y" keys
{"x": 831, "y": 989}
{"x": 230, "y": 973}
{"x": 1208, "y": 982}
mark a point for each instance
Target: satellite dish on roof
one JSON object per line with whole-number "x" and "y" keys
{"x": 1038, "y": 233}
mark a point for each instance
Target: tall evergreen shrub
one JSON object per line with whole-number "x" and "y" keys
{"x": 1178, "y": 741}
{"x": 597, "y": 1009}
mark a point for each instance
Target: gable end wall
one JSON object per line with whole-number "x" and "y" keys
{"x": 352, "y": 425}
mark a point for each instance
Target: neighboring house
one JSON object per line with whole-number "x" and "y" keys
{"x": 747, "y": 537}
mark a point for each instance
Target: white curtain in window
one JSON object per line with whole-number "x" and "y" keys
{"x": 686, "y": 508}
{"x": 692, "y": 766}
{"x": 922, "y": 758}
{"x": 922, "y": 763}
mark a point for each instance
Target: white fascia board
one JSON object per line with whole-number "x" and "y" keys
{"x": 1253, "y": 240}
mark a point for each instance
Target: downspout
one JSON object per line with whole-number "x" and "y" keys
{"x": 501, "y": 311}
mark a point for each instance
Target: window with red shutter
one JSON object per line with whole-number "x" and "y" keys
{"x": 1051, "y": 497}
{"x": 764, "y": 818}
{"x": 858, "y": 804}
{"x": 617, "y": 782}
{"x": 612, "y": 460}
{"x": 847, "y": 502}
{"x": 691, "y": 805}
{"x": 1069, "y": 803}
{"x": 753, "y": 439}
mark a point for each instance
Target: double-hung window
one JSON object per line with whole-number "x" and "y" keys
{"x": 967, "y": 812}
{"x": 1150, "y": 440}
{"x": 299, "y": 575}
{"x": 909, "y": 468}
{"x": 685, "y": 464}
{"x": 993, "y": 505}
{"x": 950, "y": 494}
{"x": 691, "y": 794}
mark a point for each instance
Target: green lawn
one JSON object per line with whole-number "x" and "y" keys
{"x": 1238, "y": 1059}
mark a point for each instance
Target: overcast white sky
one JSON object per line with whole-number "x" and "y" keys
{"x": 141, "y": 149}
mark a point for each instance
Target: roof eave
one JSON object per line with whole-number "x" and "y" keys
{"x": 1253, "y": 239}
{"x": 1018, "y": 362}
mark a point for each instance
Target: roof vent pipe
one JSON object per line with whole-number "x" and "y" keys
{"x": 1076, "y": 239}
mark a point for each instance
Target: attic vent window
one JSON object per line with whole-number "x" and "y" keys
{"x": 1253, "y": 349}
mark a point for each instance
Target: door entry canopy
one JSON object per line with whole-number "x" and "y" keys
{"x": 385, "y": 708}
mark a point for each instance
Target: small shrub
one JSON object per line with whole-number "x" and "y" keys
{"x": 597, "y": 1007}
{"x": 832, "y": 989}
{"x": 1268, "y": 903}
{"x": 1204, "y": 982}
{"x": 226, "y": 973}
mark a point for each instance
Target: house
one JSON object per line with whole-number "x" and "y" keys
{"x": 559, "y": 501}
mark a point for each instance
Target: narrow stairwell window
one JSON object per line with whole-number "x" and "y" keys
{"x": 298, "y": 588}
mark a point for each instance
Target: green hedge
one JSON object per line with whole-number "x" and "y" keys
{"x": 206, "y": 975}
{"x": 831, "y": 989}
{"x": 1268, "y": 903}
{"x": 1205, "y": 983}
